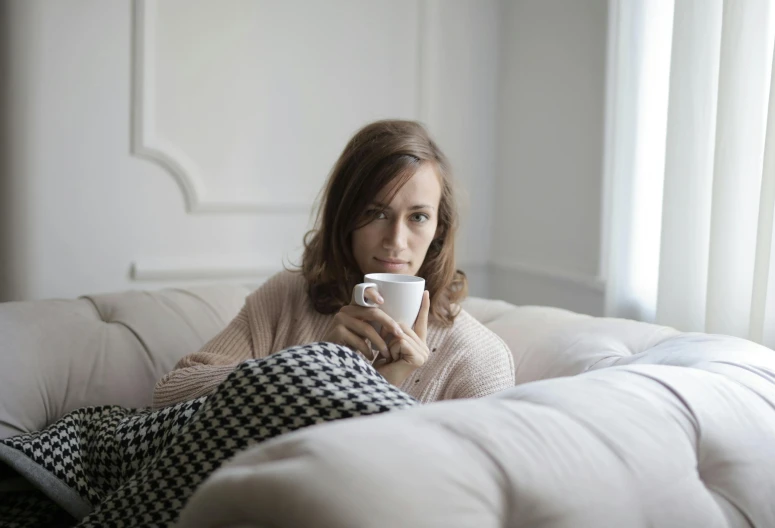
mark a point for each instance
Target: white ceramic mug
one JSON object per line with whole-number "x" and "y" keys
{"x": 402, "y": 295}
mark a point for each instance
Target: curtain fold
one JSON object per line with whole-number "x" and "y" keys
{"x": 690, "y": 146}
{"x": 715, "y": 271}
{"x": 744, "y": 79}
{"x": 763, "y": 302}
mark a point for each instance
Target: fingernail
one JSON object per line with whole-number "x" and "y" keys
{"x": 380, "y": 299}
{"x": 399, "y": 331}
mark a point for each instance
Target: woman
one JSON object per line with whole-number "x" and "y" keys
{"x": 388, "y": 207}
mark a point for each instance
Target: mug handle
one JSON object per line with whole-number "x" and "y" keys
{"x": 358, "y": 292}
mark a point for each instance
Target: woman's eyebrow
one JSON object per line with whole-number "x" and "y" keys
{"x": 413, "y": 208}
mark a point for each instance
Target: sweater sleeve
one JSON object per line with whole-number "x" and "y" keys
{"x": 486, "y": 369}
{"x": 198, "y": 374}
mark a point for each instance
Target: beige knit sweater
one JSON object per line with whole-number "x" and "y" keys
{"x": 467, "y": 360}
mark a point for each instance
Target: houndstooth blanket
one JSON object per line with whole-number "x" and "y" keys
{"x": 115, "y": 467}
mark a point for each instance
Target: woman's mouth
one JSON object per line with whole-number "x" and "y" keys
{"x": 392, "y": 264}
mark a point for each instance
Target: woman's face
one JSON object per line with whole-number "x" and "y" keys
{"x": 397, "y": 240}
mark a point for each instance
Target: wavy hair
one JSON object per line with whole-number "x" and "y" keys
{"x": 383, "y": 154}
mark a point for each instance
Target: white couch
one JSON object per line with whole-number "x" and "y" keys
{"x": 613, "y": 422}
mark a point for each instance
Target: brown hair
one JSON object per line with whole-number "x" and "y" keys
{"x": 384, "y": 153}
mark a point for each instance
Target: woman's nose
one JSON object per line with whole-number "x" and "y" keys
{"x": 395, "y": 238}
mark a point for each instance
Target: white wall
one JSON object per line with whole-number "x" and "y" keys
{"x": 163, "y": 143}
{"x": 149, "y": 144}
{"x": 546, "y": 236}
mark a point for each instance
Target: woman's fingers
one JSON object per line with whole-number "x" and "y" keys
{"x": 393, "y": 347}
{"x": 411, "y": 334}
{"x": 362, "y": 329}
{"x": 370, "y": 294}
{"x": 372, "y": 314}
{"x": 373, "y": 295}
{"x": 421, "y": 324}
{"x": 409, "y": 348}
{"x": 412, "y": 353}
{"x": 396, "y": 342}
{"x": 354, "y": 341}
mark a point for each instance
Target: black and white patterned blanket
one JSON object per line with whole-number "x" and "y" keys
{"x": 115, "y": 467}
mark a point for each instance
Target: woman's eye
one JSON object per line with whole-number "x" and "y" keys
{"x": 376, "y": 214}
{"x": 420, "y": 217}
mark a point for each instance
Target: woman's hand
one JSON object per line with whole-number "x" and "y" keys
{"x": 408, "y": 351}
{"x": 351, "y": 327}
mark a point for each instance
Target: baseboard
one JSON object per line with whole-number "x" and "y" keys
{"x": 584, "y": 281}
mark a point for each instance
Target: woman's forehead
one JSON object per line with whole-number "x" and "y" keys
{"x": 422, "y": 189}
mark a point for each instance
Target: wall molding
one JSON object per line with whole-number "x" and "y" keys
{"x": 209, "y": 267}
{"x": 613, "y": 47}
{"x": 201, "y": 267}
{"x": 146, "y": 144}
{"x": 428, "y": 38}
{"x": 597, "y": 284}
{"x": 215, "y": 267}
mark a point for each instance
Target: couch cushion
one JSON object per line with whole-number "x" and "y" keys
{"x": 680, "y": 435}
{"x": 551, "y": 342}
{"x": 58, "y": 355}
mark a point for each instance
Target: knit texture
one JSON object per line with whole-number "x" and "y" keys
{"x": 467, "y": 360}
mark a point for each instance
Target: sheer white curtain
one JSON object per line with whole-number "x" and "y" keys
{"x": 690, "y": 165}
